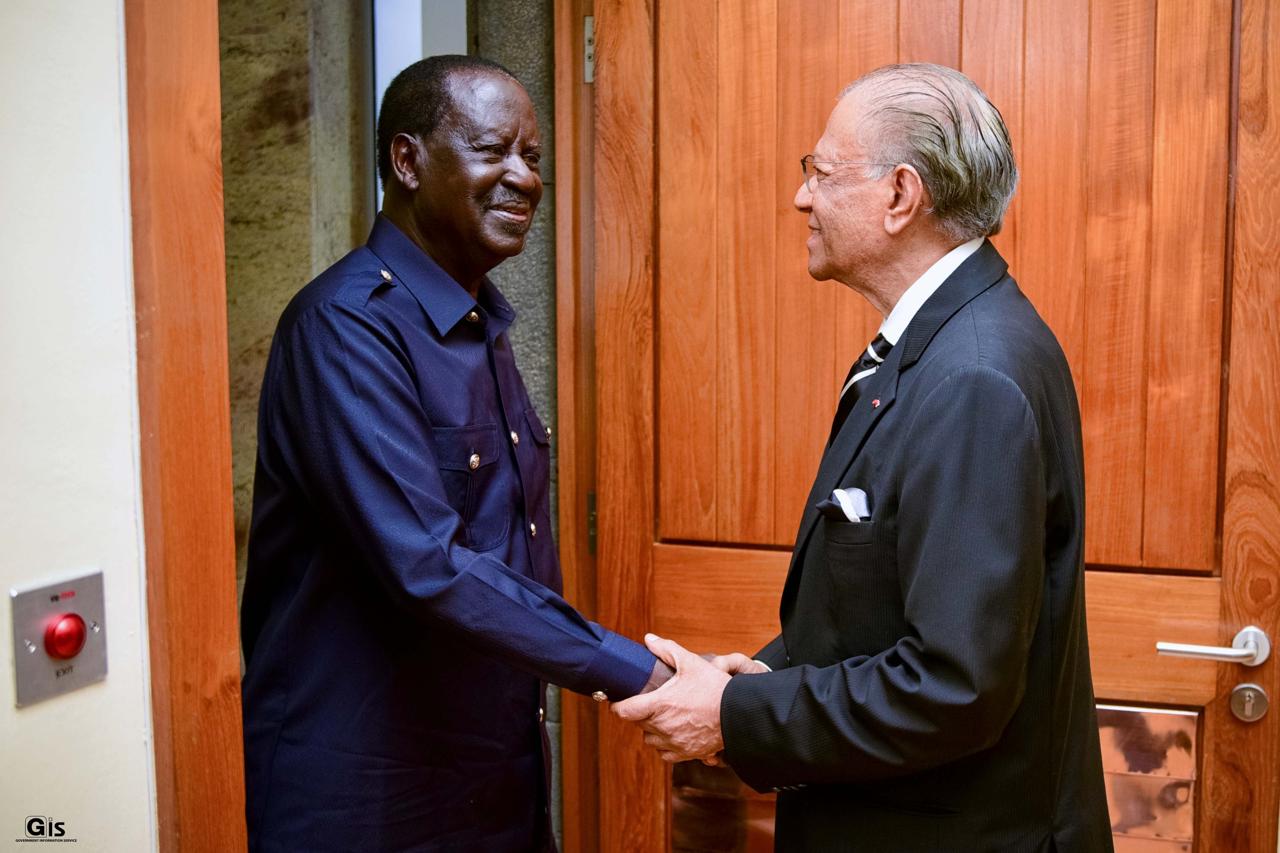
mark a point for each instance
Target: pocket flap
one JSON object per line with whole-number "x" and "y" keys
{"x": 541, "y": 434}
{"x": 455, "y": 446}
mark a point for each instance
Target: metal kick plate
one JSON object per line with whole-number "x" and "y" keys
{"x": 37, "y": 676}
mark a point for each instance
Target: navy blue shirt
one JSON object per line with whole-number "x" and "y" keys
{"x": 402, "y": 602}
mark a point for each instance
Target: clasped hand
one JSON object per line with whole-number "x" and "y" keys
{"x": 681, "y": 718}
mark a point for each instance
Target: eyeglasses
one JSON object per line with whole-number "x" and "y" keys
{"x": 812, "y": 177}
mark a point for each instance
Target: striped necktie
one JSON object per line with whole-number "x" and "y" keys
{"x": 863, "y": 369}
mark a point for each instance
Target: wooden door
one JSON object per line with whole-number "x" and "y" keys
{"x": 1144, "y": 230}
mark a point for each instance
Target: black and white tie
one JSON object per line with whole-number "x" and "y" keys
{"x": 863, "y": 369}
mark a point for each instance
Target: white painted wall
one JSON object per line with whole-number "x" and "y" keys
{"x": 69, "y": 475}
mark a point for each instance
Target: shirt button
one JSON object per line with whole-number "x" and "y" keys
{"x": 473, "y": 317}
{"x": 600, "y": 696}
{"x": 533, "y": 529}
{"x": 515, "y": 438}
{"x": 474, "y": 462}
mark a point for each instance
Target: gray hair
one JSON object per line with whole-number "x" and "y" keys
{"x": 939, "y": 122}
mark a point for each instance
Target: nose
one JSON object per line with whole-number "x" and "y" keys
{"x": 519, "y": 176}
{"x": 804, "y": 198}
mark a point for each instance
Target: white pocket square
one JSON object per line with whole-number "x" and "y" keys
{"x": 852, "y": 502}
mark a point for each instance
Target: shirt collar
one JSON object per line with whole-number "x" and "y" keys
{"x": 919, "y": 292}
{"x": 445, "y": 300}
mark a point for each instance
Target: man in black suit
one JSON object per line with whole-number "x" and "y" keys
{"x": 930, "y": 688}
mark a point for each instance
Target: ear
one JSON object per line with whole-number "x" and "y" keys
{"x": 910, "y": 199}
{"x": 408, "y": 159}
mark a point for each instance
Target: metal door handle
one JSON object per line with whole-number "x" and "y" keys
{"x": 1250, "y": 647}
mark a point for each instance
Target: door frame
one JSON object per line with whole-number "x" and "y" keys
{"x": 175, "y": 174}
{"x": 633, "y": 808}
{"x": 575, "y": 406}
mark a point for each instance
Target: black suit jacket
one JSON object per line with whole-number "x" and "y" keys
{"x": 932, "y": 688}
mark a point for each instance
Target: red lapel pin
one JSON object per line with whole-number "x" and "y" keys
{"x": 875, "y": 404}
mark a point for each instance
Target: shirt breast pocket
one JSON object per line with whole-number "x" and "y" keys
{"x": 468, "y": 460}
{"x": 866, "y": 594}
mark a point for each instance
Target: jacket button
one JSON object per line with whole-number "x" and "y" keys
{"x": 474, "y": 462}
{"x": 600, "y": 696}
{"x": 542, "y": 715}
{"x": 515, "y": 438}
{"x": 548, "y": 429}
{"x": 533, "y": 529}
{"x": 386, "y": 276}
{"x": 473, "y": 317}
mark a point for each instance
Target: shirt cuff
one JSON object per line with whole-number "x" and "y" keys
{"x": 766, "y": 666}
{"x": 619, "y": 670}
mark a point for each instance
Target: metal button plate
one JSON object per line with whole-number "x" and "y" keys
{"x": 39, "y": 675}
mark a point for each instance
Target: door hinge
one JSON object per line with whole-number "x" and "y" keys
{"x": 589, "y": 49}
{"x": 591, "y": 522}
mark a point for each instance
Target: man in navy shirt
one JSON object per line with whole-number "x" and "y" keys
{"x": 402, "y": 610}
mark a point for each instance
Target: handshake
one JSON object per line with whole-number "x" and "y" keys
{"x": 679, "y": 709}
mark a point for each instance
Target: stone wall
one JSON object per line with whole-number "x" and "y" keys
{"x": 297, "y": 179}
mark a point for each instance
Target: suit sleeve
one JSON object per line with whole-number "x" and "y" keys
{"x": 970, "y": 559}
{"x": 344, "y": 416}
{"x": 774, "y": 654}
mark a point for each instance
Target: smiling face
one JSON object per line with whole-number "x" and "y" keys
{"x": 845, "y": 208}
{"x": 478, "y": 183}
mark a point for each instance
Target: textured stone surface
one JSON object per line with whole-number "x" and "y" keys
{"x": 266, "y": 165}
{"x": 296, "y": 183}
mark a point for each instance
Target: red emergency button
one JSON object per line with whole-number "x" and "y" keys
{"x": 64, "y": 638}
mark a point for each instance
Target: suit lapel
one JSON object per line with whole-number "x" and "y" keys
{"x": 875, "y": 400}
{"x": 979, "y": 272}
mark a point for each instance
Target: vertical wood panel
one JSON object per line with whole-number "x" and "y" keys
{"x": 1188, "y": 233}
{"x": 688, "y": 341}
{"x": 1052, "y": 192}
{"x": 575, "y": 413}
{"x": 929, "y": 31}
{"x": 747, "y": 108}
{"x": 868, "y": 39}
{"x": 175, "y": 165}
{"x": 1241, "y": 779}
{"x": 804, "y": 402}
{"x": 633, "y": 790}
{"x": 1122, "y": 35}
{"x": 992, "y": 55}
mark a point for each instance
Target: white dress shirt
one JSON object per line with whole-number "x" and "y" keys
{"x": 919, "y": 292}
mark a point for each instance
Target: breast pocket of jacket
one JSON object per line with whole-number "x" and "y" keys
{"x": 468, "y": 461}
{"x": 866, "y": 595}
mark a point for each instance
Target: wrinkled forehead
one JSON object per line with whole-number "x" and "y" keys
{"x": 483, "y": 101}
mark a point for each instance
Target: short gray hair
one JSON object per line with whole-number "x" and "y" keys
{"x": 939, "y": 122}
